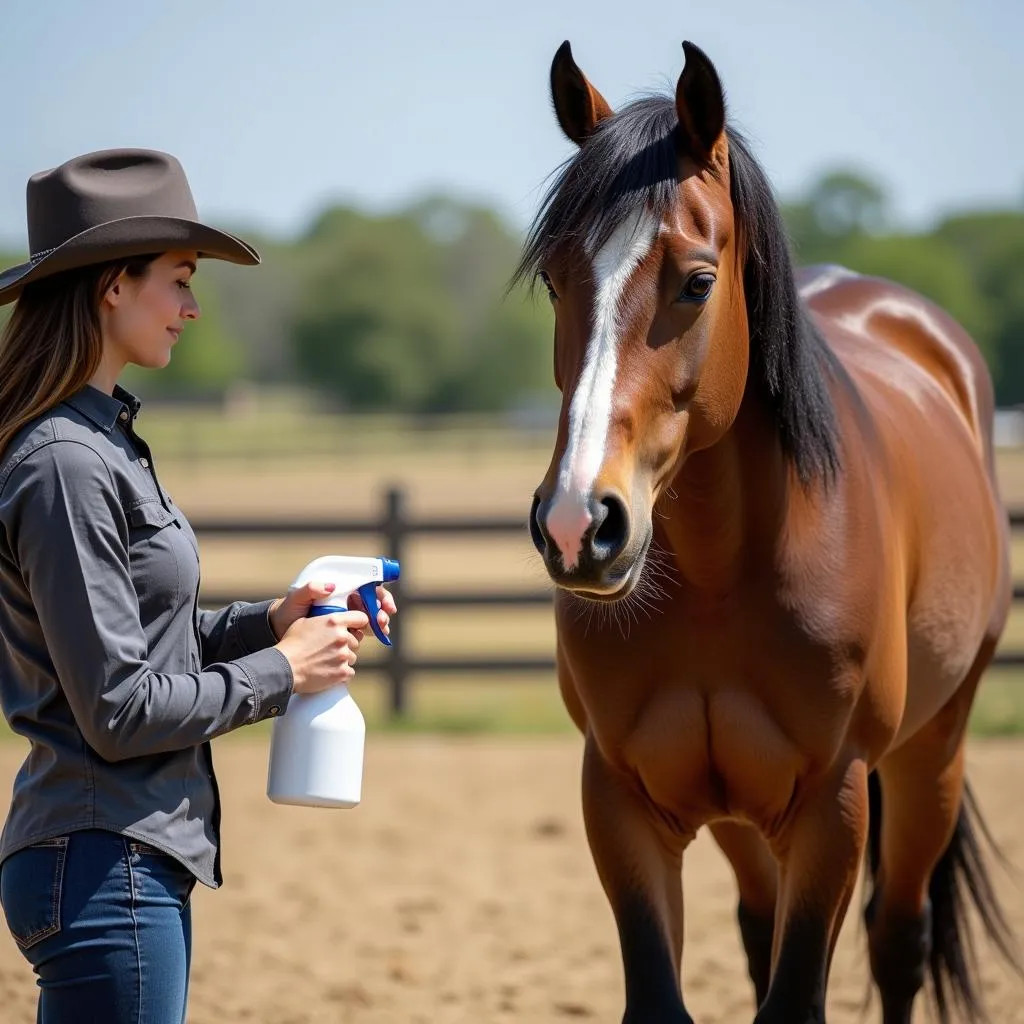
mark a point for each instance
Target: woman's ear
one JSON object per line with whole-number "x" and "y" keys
{"x": 114, "y": 294}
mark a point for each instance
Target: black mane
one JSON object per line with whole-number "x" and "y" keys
{"x": 630, "y": 161}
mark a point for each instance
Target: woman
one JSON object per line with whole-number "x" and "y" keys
{"x": 107, "y": 665}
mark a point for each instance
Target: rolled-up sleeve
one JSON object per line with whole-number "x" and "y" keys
{"x": 70, "y": 533}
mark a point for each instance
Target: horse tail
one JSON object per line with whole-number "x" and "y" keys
{"x": 959, "y": 882}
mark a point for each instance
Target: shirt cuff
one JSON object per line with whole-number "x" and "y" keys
{"x": 253, "y": 626}
{"x": 270, "y": 675}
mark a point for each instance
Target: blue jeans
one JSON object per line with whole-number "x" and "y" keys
{"x": 106, "y": 924}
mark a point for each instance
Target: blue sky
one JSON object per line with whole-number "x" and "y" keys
{"x": 278, "y": 108}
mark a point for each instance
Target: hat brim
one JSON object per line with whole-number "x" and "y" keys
{"x": 129, "y": 236}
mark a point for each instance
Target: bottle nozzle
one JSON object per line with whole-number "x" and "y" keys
{"x": 356, "y": 574}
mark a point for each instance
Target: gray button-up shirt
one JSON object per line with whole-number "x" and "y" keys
{"x": 107, "y": 665}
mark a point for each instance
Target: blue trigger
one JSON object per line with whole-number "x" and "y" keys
{"x": 326, "y": 609}
{"x": 368, "y": 592}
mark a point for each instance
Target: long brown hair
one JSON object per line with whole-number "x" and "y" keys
{"x": 52, "y": 344}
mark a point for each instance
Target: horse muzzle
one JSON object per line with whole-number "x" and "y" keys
{"x": 585, "y": 543}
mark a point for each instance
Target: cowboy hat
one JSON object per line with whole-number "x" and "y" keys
{"x": 109, "y": 205}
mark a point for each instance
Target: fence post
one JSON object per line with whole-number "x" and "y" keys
{"x": 394, "y": 530}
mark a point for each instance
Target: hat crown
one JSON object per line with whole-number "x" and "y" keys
{"x": 104, "y": 186}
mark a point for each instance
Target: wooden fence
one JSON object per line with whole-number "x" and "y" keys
{"x": 394, "y": 527}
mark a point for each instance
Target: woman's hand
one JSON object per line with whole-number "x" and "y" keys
{"x": 322, "y": 650}
{"x": 295, "y": 605}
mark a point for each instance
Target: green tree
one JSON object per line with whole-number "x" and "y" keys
{"x": 407, "y": 312}
{"x": 374, "y": 327}
{"x": 840, "y": 206}
{"x": 845, "y": 203}
{"x": 991, "y": 246}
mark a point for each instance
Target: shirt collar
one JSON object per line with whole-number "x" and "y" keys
{"x": 105, "y": 410}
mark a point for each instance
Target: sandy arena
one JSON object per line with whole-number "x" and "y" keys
{"x": 462, "y": 890}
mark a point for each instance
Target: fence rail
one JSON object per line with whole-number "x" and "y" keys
{"x": 394, "y": 527}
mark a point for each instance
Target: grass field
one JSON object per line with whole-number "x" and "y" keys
{"x": 250, "y": 465}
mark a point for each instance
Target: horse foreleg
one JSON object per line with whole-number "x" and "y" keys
{"x": 638, "y": 857}
{"x": 757, "y": 881}
{"x": 820, "y": 849}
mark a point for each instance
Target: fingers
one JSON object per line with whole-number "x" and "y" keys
{"x": 345, "y": 649}
{"x": 384, "y": 613}
{"x": 351, "y": 628}
{"x": 387, "y": 601}
{"x": 354, "y": 618}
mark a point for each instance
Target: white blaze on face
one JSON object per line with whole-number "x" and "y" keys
{"x": 591, "y": 407}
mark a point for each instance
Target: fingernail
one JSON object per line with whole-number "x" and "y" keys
{"x": 329, "y": 586}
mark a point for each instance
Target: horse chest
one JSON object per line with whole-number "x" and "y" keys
{"x": 726, "y": 719}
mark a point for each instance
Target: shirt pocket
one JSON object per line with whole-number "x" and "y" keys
{"x": 31, "y": 886}
{"x": 155, "y": 558}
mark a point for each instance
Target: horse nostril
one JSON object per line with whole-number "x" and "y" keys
{"x": 537, "y": 532}
{"x": 612, "y": 527}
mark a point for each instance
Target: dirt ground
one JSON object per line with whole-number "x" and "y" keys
{"x": 462, "y": 890}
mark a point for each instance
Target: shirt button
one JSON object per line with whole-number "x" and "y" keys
{"x": 275, "y": 709}
{"x": 144, "y": 463}
{"x": 123, "y": 416}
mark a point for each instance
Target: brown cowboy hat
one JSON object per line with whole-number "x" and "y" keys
{"x": 112, "y": 204}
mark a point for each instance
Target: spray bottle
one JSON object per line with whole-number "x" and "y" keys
{"x": 316, "y": 746}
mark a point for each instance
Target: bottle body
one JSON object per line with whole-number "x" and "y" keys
{"x": 316, "y": 751}
{"x": 316, "y": 746}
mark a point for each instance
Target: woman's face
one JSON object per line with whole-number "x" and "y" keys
{"x": 142, "y": 317}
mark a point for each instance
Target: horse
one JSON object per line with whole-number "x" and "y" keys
{"x": 780, "y": 561}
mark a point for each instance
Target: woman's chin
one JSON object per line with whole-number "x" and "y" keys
{"x": 153, "y": 362}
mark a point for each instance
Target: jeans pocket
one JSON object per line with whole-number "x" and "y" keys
{"x": 31, "y": 884}
{"x": 158, "y": 875}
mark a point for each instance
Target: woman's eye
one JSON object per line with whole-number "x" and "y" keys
{"x": 187, "y": 285}
{"x": 697, "y": 288}
{"x": 552, "y": 294}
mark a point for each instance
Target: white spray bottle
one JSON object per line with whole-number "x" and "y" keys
{"x": 316, "y": 746}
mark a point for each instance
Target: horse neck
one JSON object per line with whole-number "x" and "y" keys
{"x": 724, "y": 504}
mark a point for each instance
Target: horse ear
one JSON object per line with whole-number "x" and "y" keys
{"x": 579, "y": 107}
{"x": 700, "y": 105}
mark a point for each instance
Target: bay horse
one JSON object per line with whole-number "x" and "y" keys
{"x": 781, "y": 564}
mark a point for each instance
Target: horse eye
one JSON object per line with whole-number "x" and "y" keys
{"x": 697, "y": 288}
{"x": 543, "y": 275}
